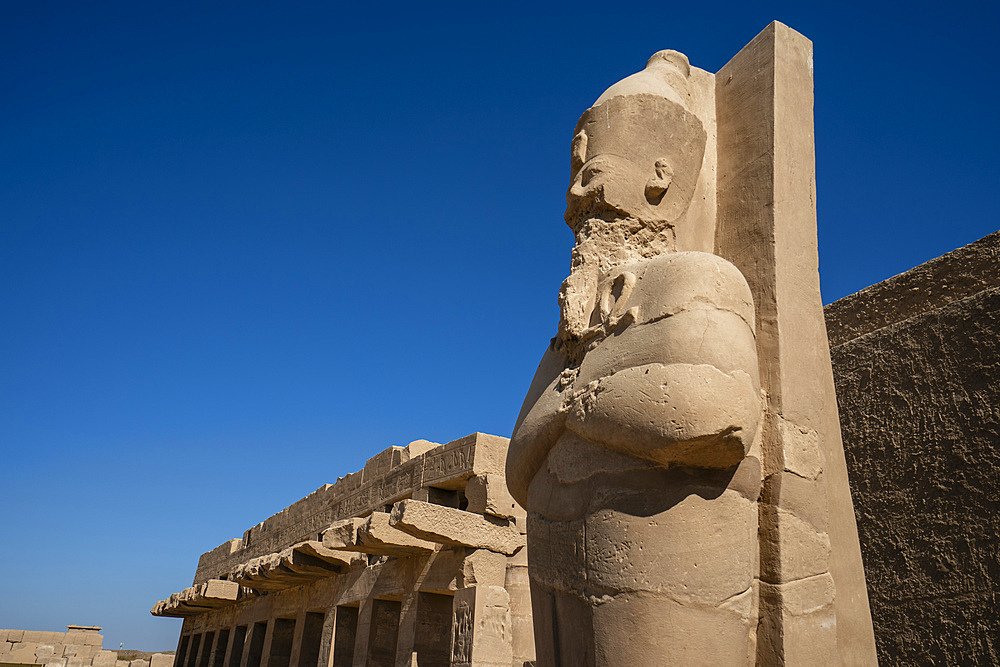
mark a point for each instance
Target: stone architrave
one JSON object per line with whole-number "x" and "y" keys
{"x": 678, "y": 451}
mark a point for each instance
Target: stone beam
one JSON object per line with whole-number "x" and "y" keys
{"x": 446, "y": 525}
{"x": 374, "y": 535}
{"x": 302, "y": 563}
{"x": 198, "y": 599}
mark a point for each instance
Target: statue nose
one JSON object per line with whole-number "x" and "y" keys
{"x": 579, "y": 192}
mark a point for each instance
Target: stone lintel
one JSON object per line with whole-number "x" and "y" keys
{"x": 301, "y": 563}
{"x": 315, "y": 548}
{"x": 200, "y": 598}
{"x": 374, "y": 535}
{"x": 446, "y": 525}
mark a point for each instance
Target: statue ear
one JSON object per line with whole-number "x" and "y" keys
{"x": 579, "y": 151}
{"x": 657, "y": 186}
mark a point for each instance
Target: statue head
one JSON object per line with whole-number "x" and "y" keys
{"x": 637, "y": 153}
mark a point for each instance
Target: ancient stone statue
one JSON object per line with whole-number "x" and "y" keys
{"x": 629, "y": 450}
{"x": 670, "y": 451}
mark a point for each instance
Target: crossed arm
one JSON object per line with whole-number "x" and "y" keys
{"x": 678, "y": 386}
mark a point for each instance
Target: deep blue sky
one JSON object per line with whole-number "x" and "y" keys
{"x": 248, "y": 246}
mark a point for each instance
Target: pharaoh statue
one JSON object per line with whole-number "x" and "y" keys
{"x": 634, "y": 450}
{"x": 679, "y": 451}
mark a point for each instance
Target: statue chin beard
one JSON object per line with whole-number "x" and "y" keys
{"x": 601, "y": 246}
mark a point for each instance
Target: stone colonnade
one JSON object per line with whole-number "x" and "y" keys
{"x": 419, "y": 559}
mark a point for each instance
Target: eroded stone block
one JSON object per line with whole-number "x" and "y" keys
{"x": 488, "y": 494}
{"x": 483, "y": 567}
{"x": 22, "y": 652}
{"x": 105, "y": 659}
{"x": 374, "y": 535}
{"x": 46, "y": 651}
{"x": 445, "y": 525}
{"x": 219, "y": 589}
{"x": 483, "y": 627}
{"x": 804, "y": 551}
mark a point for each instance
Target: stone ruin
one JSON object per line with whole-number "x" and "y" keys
{"x": 679, "y": 451}
{"x": 417, "y": 559}
{"x": 79, "y": 646}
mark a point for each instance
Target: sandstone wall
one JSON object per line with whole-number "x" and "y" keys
{"x": 387, "y": 477}
{"x": 419, "y": 558}
{"x": 78, "y": 647}
{"x": 917, "y": 366}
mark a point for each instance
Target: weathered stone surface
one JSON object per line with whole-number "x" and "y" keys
{"x": 22, "y": 652}
{"x": 337, "y": 558}
{"x": 653, "y": 370}
{"x": 488, "y": 494}
{"x": 162, "y": 660}
{"x": 918, "y": 388}
{"x": 483, "y": 567}
{"x": 342, "y": 534}
{"x": 394, "y": 474}
{"x": 794, "y": 611}
{"x": 374, "y": 535}
{"x": 364, "y": 563}
{"x": 772, "y": 238}
{"x": 482, "y": 628}
{"x": 46, "y": 651}
{"x": 445, "y": 525}
{"x": 645, "y": 439}
{"x": 105, "y": 659}
{"x": 200, "y": 598}
{"x": 935, "y": 284}
{"x": 83, "y": 635}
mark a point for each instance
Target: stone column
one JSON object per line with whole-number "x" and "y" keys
{"x": 364, "y": 632}
{"x": 265, "y": 651}
{"x": 482, "y": 628}
{"x": 407, "y": 625}
{"x": 326, "y": 643}
{"x": 519, "y": 588}
{"x": 300, "y": 625}
{"x": 767, "y": 227}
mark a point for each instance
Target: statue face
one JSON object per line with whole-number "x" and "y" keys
{"x": 608, "y": 187}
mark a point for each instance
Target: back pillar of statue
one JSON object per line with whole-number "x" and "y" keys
{"x": 813, "y": 603}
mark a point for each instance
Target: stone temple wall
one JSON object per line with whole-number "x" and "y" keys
{"x": 917, "y": 365}
{"x": 417, "y": 559}
{"x": 79, "y": 646}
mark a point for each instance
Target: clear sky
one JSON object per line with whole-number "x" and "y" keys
{"x": 247, "y": 246}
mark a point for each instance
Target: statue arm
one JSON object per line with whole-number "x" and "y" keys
{"x": 680, "y": 389}
{"x": 538, "y": 426}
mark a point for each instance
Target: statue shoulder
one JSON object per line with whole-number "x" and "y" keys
{"x": 678, "y": 281}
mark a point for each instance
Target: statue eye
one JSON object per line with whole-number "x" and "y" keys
{"x": 590, "y": 172}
